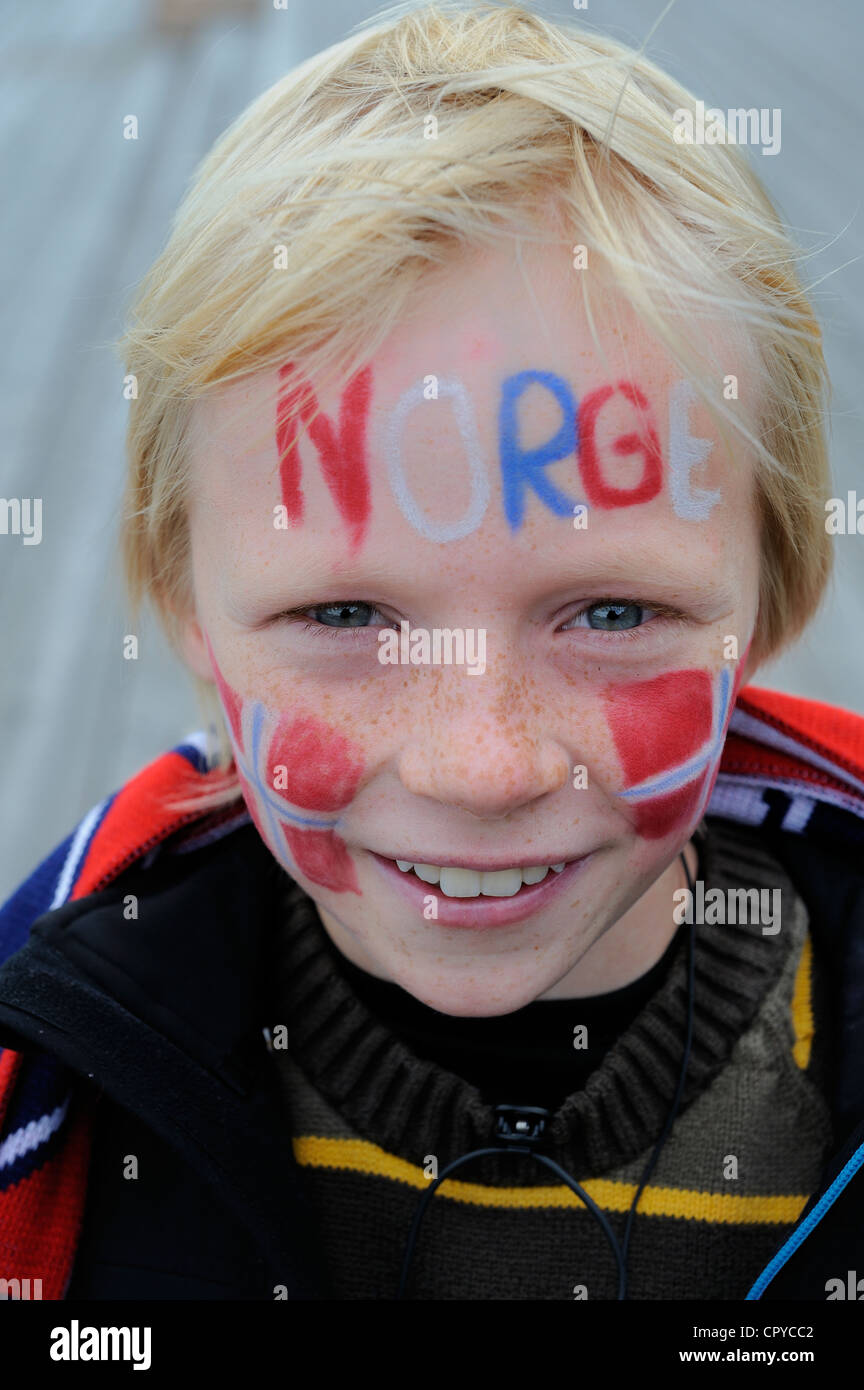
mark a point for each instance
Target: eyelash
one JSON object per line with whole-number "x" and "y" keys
{"x": 668, "y": 616}
{"x": 327, "y": 630}
{"x": 298, "y": 616}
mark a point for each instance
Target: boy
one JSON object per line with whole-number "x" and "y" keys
{"x": 439, "y": 477}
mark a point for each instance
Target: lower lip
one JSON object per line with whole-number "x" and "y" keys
{"x": 478, "y": 914}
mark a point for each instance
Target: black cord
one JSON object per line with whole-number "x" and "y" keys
{"x": 621, "y": 1251}
{"x": 505, "y": 1149}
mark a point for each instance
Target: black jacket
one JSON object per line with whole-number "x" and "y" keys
{"x": 161, "y": 1016}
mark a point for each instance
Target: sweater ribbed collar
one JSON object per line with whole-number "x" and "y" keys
{"x": 410, "y": 1106}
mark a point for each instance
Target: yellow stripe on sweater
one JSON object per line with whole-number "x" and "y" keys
{"x": 720, "y": 1208}
{"x": 802, "y": 1005}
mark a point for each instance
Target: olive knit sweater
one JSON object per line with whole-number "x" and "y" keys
{"x": 382, "y": 1093}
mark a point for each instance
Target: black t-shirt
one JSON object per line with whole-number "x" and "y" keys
{"x": 533, "y": 1056}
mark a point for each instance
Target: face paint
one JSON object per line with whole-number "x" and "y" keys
{"x": 643, "y": 440}
{"x": 668, "y": 733}
{"x": 464, "y": 414}
{"x": 289, "y": 766}
{"x": 344, "y": 462}
{"x": 685, "y": 454}
{"x": 523, "y": 468}
{"x": 342, "y": 456}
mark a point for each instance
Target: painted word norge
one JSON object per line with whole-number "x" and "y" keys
{"x": 343, "y": 451}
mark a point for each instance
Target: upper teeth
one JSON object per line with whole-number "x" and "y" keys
{"x": 470, "y": 883}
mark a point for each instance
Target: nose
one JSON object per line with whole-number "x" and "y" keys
{"x": 482, "y": 755}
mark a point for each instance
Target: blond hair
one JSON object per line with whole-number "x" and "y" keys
{"x": 331, "y": 164}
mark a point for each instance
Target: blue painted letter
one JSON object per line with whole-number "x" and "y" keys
{"x": 523, "y": 468}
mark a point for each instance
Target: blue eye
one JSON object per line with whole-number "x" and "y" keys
{"x": 342, "y": 615}
{"x": 612, "y": 616}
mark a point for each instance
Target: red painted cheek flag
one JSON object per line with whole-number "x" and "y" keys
{"x": 669, "y": 733}
{"x": 321, "y": 774}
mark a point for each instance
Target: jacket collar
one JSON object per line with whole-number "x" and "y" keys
{"x": 188, "y": 1057}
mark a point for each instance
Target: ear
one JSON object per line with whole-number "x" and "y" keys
{"x": 193, "y": 646}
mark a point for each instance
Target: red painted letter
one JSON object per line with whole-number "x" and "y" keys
{"x": 343, "y": 456}
{"x": 644, "y": 440}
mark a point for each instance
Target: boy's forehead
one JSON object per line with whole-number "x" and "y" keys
{"x": 479, "y": 321}
{"x": 494, "y": 391}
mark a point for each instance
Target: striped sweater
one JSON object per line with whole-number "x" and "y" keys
{"x": 372, "y": 1123}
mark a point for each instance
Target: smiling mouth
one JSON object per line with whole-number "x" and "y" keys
{"x": 478, "y": 896}
{"x": 456, "y": 881}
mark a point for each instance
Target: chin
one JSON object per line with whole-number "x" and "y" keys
{"x": 481, "y": 998}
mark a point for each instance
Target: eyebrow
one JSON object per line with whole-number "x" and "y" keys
{"x": 672, "y": 576}
{"x": 639, "y": 573}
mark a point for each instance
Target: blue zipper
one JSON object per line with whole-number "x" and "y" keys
{"x": 800, "y": 1234}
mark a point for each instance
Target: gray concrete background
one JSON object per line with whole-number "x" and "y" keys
{"x": 85, "y": 212}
